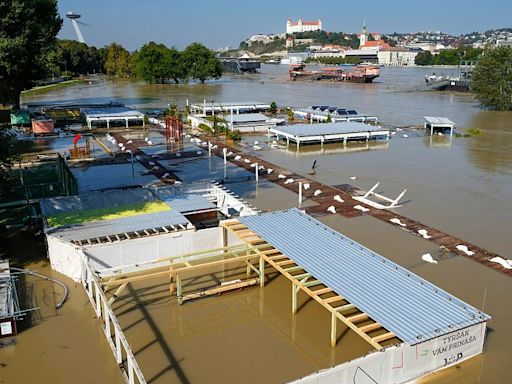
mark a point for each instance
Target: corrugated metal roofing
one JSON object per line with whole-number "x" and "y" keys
{"x": 438, "y": 120}
{"x": 102, "y": 228}
{"x": 100, "y": 112}
{"x": 405, "y": 304}
{"x": 302, "y": 130}
{"x": 246, "y": 118}
{"x": 189, "y": 203}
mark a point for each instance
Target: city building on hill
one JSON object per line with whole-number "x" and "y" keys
{"x": 303, "y": 26}
{"x": 365, "y": 42}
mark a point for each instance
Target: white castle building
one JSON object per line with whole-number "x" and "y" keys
{"x": 303, "y": 26}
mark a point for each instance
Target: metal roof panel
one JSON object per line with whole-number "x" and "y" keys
{"x": 404, "y": 303}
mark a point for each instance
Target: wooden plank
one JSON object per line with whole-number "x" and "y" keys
{"x": 345, "y": 307}
{"x": 312, "y": 283}
{"x": 291, "y": 269}
{"x": 277, "y": 257}
{"x": 321, "y": 291}
{"x": 285, "y": 262}
{"x": 357, "y": 318}
{"x": 370, "y": 327}
{"x": 332, "y": 299}
{"x": 220, "y": 289}
{"x": 383, "y": 337}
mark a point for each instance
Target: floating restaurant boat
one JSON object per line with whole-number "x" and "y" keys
{"x": 242, "y": 64}
{"x": 356, "y": 74}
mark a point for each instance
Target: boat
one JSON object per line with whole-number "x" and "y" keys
{"x": 273, "y": 61}
{"x": 292, "y": 60}
{"x": 243, "y": 64}
{"x": 356, "y": 74}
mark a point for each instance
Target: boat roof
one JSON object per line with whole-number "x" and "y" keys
{"x": 404, "y": 303}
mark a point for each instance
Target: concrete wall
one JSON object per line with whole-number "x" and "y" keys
{"x": 405, "y": 363}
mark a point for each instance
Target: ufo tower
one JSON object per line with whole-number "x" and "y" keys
{"x": 74, "y": 17}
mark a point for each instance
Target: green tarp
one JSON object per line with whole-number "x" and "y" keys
{"x": 20, "y": 118}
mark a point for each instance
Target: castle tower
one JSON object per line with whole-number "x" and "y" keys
{"x": 363, "y": 38}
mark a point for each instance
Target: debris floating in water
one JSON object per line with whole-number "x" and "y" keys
{"x": 331, "y": 209}
{"x": 247, "y": 161}
{"x": 289, "y": 181}
{"x": 465, "y": 249}
{"x": 307, "y": 186}
{"x": 338, "y": 198}
{"x": 281, "y": 176}
{"x": 507, "y": 264}
{"x": 317, "y": 192}
{"x": 394, "y": 220}
{"x": 269, "y": 170}
{"x": 428, "y": 258}
{"x": 361, "y": 208}
{"x": 424, "y": 233}
{"x": 238, "y": 157}
{"x": 353, "y": 177}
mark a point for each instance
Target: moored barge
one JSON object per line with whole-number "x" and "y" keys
{"x": 356, "y": 74}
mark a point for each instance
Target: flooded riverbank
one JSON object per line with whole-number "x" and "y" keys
{"x": 462, "y": 188}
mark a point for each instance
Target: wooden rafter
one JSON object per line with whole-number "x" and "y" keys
{"x": 302, "y": 280}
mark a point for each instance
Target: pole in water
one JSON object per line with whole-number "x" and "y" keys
{"x": 224, "y": 150}
{"x": 131, "y": 161}
{"x": 257, "y": 172}
{"x": 300, "y": 194}
{"x": 314, "y": 165}
{"x": 209, "y": 149}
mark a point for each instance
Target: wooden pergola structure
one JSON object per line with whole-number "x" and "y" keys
{"x": 255, "y": 253}
{"x": 340, "y": 308}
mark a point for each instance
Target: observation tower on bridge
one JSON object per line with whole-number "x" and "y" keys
{"x": 74, "y": 17}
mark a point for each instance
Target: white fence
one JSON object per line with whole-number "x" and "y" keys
{"x": 115, "y": 336}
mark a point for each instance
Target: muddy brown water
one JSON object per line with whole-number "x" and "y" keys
{"x": 463, "y": 188}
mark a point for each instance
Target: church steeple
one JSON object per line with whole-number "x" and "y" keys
{"x": 363, "y": 38}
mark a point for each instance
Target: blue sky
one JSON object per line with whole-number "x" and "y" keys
{"x": 218, "y": 23}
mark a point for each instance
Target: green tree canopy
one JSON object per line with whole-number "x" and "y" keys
{"x": 201, "y": 63}
{"x": 75, "y": 58}
{"x": 28, "y": 30}
{"x": 118, "y": 61}
{"x": 492, "y": 79}
{"x": 152, "y": 63}
{"x": 424, "y": 58}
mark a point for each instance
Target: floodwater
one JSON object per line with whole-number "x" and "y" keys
{"x": 462, "y": 186}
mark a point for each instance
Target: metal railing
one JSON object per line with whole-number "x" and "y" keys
{"x": 110, "y": 325}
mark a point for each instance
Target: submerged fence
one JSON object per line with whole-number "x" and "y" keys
{"x": 113, "y": 331}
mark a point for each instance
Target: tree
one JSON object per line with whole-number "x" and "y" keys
{"x": 273, "y": 107}
{"x": 118, "y": 61}
{"x": 176, "y": 65}
{"x": 77, "y": 58}
{"x": 201, "y": 63}
{"x": 28, "y": 30}
{"x": 424, "y": 58}
{"x": 152, "y": 63}
{"x": 7, "y": 158}
{"x": 492, "y": 79}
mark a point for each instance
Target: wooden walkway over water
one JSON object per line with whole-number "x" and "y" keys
{"x": 345, "y": 206}
{"x": 326, "y": 197}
